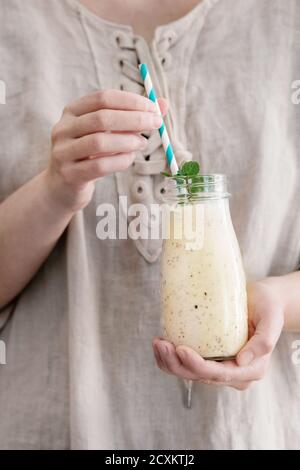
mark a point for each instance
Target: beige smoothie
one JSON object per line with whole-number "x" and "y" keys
{"x": 203, "y": 291}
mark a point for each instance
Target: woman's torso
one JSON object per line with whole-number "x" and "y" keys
{"x": 81, "y": 354}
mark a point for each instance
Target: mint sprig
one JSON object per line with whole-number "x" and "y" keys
{"x": 190, "y": 169}
{"x": 189, "y": 173}
{"x": 187, "y": 169}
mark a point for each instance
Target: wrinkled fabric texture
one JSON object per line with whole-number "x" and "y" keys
{"x": 80, "y": 371}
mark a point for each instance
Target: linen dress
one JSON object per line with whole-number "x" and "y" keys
{"x": 80, "y": 371}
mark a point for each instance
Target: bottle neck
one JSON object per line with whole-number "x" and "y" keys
{"x": 192, "y": 189}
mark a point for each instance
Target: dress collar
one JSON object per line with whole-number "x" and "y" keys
{"x": 174, "y": 29}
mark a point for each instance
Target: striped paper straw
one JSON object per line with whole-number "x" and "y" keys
{"x": 162, "y": 130}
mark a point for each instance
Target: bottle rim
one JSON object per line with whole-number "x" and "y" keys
{"x": 197, "y": 188}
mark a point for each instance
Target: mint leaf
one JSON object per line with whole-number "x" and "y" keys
{"x": 190, "y": 168}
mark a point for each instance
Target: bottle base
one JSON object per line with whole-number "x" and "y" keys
{"x": 220, "y": 358}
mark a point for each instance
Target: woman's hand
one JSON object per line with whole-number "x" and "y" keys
{"x": 97, "y": 135}
{"x": 266, "y": 319}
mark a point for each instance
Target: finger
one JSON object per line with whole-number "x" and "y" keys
{"x": 99, "y": 144}
{"x": 90, "y": 170}
{"x": 171, "y": 360}
{"x": 164, "y": 106}
{"x": 240, "y": 386}
{"x": 161, "y": 363}
{"x": 157, "y": 357}
{"x": 225, "y": 372}
{"x": 110, "y": 99}
{"x": 157, "y": 338}
{"x": 203, "y": 370}
{"x": 160, "y": 348}
{"x": 112, "y": 120}
{"x": 161, "y": 352}
{"x": 263, "y": 341}
{"x": 209, "y": 372}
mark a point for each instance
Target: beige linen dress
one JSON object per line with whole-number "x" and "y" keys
{"x": 80, "y": 371}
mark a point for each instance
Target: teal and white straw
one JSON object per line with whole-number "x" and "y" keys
{"x": 162, "y": 130}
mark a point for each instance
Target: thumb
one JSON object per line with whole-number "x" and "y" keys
{"x": 264, "y": 340}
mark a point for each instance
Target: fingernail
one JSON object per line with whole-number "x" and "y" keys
{"x": 245, "y": 358}
{"x": 163, "y": 348}
{"x": 157, "y": 121}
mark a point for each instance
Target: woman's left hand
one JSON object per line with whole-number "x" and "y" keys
{"x": 266, "y": 319}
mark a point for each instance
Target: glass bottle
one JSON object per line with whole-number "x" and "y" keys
{"x": 203, "y": 288}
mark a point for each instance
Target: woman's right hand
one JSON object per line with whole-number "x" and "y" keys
{"x": 97, "y": 135}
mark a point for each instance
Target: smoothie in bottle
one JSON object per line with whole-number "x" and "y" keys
{"x": 203, "y": 289}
